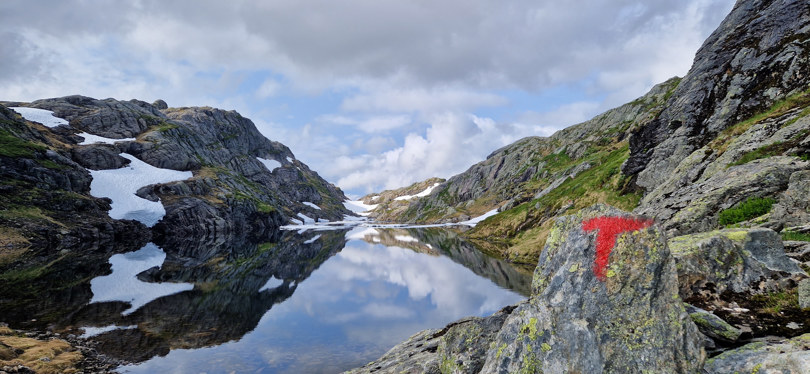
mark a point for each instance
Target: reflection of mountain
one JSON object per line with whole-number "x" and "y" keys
{"x": 235, "y": 284}
{"x": 44, "y": 286}
{"x": 446, "y": 242}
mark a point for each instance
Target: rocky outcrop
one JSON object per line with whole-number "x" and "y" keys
{"x": 390, "y": 204}
{"x": 786, "y": 356}
{"x": 602, "y": 302}
{"x": 242, "y": 182}
{"x": 757, "y": 56}
{"x": 741, "y": 261}
{"x": 793, "y": 207}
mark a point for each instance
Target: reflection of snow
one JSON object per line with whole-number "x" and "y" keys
{"x": 121, "y": 184}
{"x": 421, "y": 194}
{"x": 90, "y": 332}
{"x": 95, "y": 139}
{"x": 123, "y": 284}
{"x": 314, "y": 238}
{"x": 272, "y": 283}
{"x": 45, "y": 117}
{"x": 269, "y": 164}
{"x": 360, "y": 233}
{"x": 307, "y": 203}
{"x": 406, "y": 238}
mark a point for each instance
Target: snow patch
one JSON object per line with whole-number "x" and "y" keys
{"x": 480, "y": 218}
{"x": 123, "y": 284}
{"x": 359, "y": 207}
{"x": 314, "y": 238}
{"x": 306, "y": 218}
{"x": 421, "y": 194}
{"x": 95, "y": 139}
{"x": 120, "y": 185}
{"x": 307, "y": 203}
{"x": 269, "y": 164}
{"x": 45, "y": 117}
{"x": 272, "y": 283}
{"x": 289, "y": 159}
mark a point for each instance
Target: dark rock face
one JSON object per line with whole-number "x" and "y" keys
{"x": 793, "y": 207}
{"x": 757, "y": 56}
{"x": 98, "y": 157}
{"x": 579, "y": 319}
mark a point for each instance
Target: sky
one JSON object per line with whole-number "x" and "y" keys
{"x": 371, "y": 94}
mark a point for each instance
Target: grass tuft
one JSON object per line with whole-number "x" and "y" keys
{"x": 750, "y": 208}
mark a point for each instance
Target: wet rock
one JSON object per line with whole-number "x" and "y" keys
{"x": 713, "y": 326}
{"x": 785, "y": 356}
{"x": 742, "y": 261}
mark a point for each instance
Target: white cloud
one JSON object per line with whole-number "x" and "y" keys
{"x": 420, "y": 100}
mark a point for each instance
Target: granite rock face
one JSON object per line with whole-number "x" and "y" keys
{"x": 620, "y": 314}
{"x": 758, "y": 55}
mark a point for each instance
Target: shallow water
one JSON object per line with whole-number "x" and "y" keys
{"x": 314, "y": 302}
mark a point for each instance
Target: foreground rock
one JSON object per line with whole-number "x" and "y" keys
{"x": 784, "y": 357}
{"x": 605, "y": 300}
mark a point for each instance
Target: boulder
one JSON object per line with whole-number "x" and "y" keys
{"x": 98, "y": 157}
{"x": 785, "y": 357}
{"x": 713, "y": 326}
{"x": 604, "y": 300}
{"x": 742, "y": 261}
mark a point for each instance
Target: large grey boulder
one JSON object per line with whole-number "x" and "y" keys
{"x": 741, "y": 261}
{"x": 626, "y": 318}
{"x": 784, "y": 357}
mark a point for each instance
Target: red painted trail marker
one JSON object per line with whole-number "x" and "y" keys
{"x": 609, "y": 229}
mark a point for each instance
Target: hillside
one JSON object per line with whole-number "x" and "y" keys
{"x": 733, "y": 128}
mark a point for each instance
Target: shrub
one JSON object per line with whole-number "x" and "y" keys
{"x": 750, "y": 208}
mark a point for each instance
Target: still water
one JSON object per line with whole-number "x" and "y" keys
{"x": 310, "y": 302}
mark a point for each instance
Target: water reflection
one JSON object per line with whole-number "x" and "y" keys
{"x": 318, "y": 301}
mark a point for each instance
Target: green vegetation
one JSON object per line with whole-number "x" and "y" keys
{"x": 750, "y": 208}
{"x": 795, "y": 236}
{"x": 13, "y": 146}
{"x": 722, "y": 141}
{"x": 775, "y": 303}
{"x": 774, "y": 149}
{"x": 165, "y": 126}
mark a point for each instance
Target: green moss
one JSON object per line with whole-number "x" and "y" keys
{"x": 750, "y": 208}
{"x": 264, "y": 208}
{"x": 545, "y": 347}
{"x": 13, "y": 146}
{"x": 774, "y": 303}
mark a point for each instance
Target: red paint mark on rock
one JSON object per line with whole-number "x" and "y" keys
{"x": 609, "y": 229}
